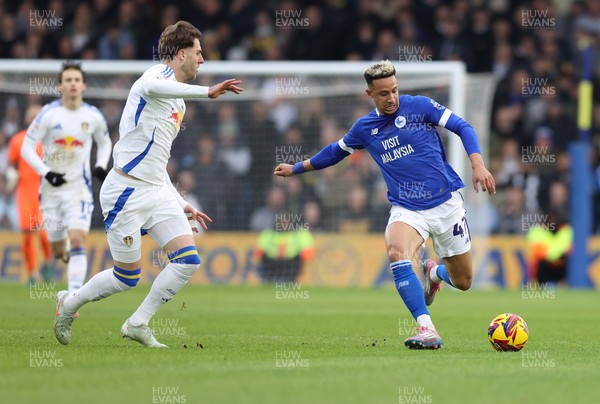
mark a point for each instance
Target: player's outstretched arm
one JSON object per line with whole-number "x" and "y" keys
{"x": 287, "y": 170}
{"x": 328, "y": 156}
{"x": 481, "y": 175}
{"x": 230, "y": 85}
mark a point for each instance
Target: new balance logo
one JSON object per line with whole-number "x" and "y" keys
{"x": 57, "y": 127}
{"x": 403, "y": 283}
{"x": 374, "y": 131}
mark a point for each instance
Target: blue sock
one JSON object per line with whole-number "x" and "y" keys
{"x": 442, "y": 273}
{"x": 409, "y": 287}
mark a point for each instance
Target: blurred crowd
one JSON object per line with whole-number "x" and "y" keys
{"x": 532, "y": 48}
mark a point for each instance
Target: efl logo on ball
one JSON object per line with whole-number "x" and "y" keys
{"x": 508, "y": 332}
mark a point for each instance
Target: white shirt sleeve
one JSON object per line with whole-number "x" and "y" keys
{"x": 35, "y": 134}
{"x": 103, "y": 142}
{"x": 160, "y": 88}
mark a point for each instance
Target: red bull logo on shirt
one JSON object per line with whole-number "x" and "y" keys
{"x": 68, "y": 142}
{"x": 176, "y": 117}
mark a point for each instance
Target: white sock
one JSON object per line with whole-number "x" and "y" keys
{"x": 77, "y": 268}
{"x": 434, "y": 276}
{"x": 424, "y": 320}
{"x": 102, "y": 285}
{"x": 170, "y": 281}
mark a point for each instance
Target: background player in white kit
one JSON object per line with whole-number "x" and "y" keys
{"x": 138, "y": 196}
{"x": 65, "y": 128}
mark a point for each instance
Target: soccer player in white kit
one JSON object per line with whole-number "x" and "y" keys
{"x": 138, "y": 197}
{"x": 66, "y": 128}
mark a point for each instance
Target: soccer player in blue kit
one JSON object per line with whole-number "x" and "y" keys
{"x": 400, "y": 135}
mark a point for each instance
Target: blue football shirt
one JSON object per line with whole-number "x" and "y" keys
{"x": 409, "y": 151}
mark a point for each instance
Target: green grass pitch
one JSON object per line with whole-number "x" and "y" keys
{"x": 313, "y": 345}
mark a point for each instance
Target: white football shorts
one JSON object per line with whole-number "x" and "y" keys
{"x": 67, "y": 210}
{"x": 131, "y": 207}
{"x": 446, "y": 224}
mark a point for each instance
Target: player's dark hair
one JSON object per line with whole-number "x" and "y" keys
{"x": 180, "y": 35}
{"x": 68, "y": 65}
{"x": 380, "y": 70}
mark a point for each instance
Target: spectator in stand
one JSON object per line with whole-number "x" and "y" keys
{"x": 208, "y": 172}
{"x": 355, "y": 217}
{"x": 311, "y": 215}
{"x": 513, "y": 212}
{"x": 8, "y": 35}
{"x": 311, "y": 41}
{"x": 80, "y": 30}
{"x": 262, "y": 141}
{"x": 452, "y": 46}
{"x": 265, "y": 216}
{"x": 480, "y": 32}
{"x": 111, "y": 44}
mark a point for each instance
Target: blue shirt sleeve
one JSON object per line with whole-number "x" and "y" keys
{"x": 444, "y": 117}
{"x": 352, "y": 141}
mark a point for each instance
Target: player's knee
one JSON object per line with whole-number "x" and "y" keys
{"x": 462, "y": 283}
{"x": 186, "y": 260}
{"x": 128, "y": 277}
{"x": 77, "y": 241}
{"x": 397, "y": 254}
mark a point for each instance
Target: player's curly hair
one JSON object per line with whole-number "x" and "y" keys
{"x": 68, "y": 65}
{"x": 180, "y": 35}
{"x": 380, "y": 70}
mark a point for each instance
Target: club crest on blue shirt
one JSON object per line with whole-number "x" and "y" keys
{"x": 436, "y": 105}
{"x": 400, "y": 121}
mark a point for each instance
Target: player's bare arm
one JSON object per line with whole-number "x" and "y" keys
{"x": 230, "y": 85}
{"x": 481, "y": 175}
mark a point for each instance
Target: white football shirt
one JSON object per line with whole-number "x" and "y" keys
{"x": 150, "y": 123}
{"x": 67, "y": 136}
